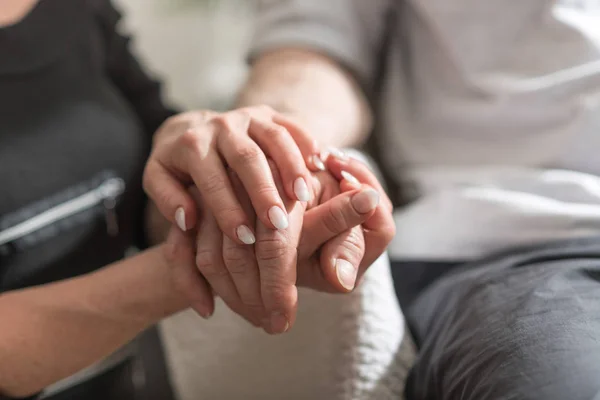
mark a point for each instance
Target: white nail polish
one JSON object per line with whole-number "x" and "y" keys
{"x": 318, "y": 163}
{"x": 245, "y": 234}
{"x": 301, "y": 190}
{"x": 180, "y": 218}
{"x": 365, "y": 201}
{"x": 346, "y": 273}
{"x": 350, "y": 178}
{"x": 337, "y": 153}
{"x": 278, "y": 218}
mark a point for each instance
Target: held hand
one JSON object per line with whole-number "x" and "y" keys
{"x": 244, "y": 276}
{"x": 357, "y": 248}
{"x": 198, "y": 147}
{"x": 331, "y": 246}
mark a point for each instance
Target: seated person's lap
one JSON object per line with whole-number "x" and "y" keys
{"x": 520, "y": 325}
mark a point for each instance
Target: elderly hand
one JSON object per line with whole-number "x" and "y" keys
{"x": 333, "y": 250}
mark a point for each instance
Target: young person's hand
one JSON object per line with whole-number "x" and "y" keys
{"x": 199, "y": 147}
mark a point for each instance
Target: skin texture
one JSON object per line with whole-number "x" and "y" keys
{"x": 313, "y": 89}
{"x": 324, "y": 231}
{"x": 311, "y": 98}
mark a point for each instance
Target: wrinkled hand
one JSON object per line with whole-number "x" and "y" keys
{"x": 333, "y": 250}
{"x": 198, "y": 147}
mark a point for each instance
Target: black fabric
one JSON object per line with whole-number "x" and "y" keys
{"x": 412, "y": 277}
{"x": 519, "y": 325}
{"x": 114, "y": 384}
{"x": 74, "y": 103}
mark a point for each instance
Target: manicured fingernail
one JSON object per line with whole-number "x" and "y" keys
{"x": 346, "y": 273}
{"x": 337, "y": 153}
{"x": 245, "y": 234}
{"x": 278, "y": 218}
{"x": 365, "y": 201}
{"x": 301, "y": 190}
{"x": 279, "y": 323}
{"x": 180, "y": 218}
{"x": 318, "y": 163}
{"x": 350, "y": 178}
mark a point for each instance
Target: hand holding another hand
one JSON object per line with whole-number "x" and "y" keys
{"x": 259, "y": 282}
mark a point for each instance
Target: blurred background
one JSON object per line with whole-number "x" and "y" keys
{"x": 196, "y": 47}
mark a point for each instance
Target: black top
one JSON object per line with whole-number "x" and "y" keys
{"x": 76, "y": 118}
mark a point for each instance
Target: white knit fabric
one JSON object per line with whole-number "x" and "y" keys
{"x": 341, "y": 347}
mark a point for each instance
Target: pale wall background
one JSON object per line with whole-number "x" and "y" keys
{"x": 196, "y": 46}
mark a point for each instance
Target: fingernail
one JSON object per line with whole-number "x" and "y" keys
{"x": 245, "y": 234}
{"x": 365, "y": 201}
{"x": 337, "y": 153}
{"x": 180, "y": 218}
{"x": 318, "y": 163}
{"x": 279, "y": 323}
{"x": 301, "y": 190}
{"x": 278, "y": 218}
{"x": 205, "y": 312}
{"x": 350, "y": 178}
{"x": 346, "y": 273}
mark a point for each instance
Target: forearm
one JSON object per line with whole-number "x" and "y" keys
{"x": 315, "y": 90}
{"x": 52, "y": 331}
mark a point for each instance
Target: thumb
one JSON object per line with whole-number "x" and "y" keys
{"x": 336, "y": 216}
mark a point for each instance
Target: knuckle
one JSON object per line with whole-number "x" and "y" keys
{"x": 272, "y": 249}
{"x": 244, "y": 155}
{"x": 389, "y": 233}
{"x": 212, "y": 183}
{"x": 207, "y": 265}
{"x": 222, "y": 121}
{"x": 276, "y": 132}
{"x": 189, "y": 138}
{"x": 335, "y": 220}
{"x": 237, "y": 261}
{"x": 278, "y": 295}
{"x": 353, "y": 244}
{"x": 230, "y": 217}
{"x": 254, "y": 304}
{"x": 170, "y": 253}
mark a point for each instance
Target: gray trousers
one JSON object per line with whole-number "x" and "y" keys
{"x": 522, "y": 325}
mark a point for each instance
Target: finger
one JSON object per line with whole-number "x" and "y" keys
{"x": 276, "y": 141}
{"x": 337, "y": 162}
{"x": 379, "y": 230}
{"x": 277, "y": 257}
{"x": 169, "y": 195}
{"x": 308, "y": 146}
{"x": 341, "y": 259}
{"x": 179, "y": 253}
{"x": 249, "y": 162}
{"x": 336, "y": 216}
{"x": 211, "y": 266}
{"x": 241, "y": 263}
{"x": 210, "y": 176}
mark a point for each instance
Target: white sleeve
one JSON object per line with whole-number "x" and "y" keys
{"x": 348, "y": 31}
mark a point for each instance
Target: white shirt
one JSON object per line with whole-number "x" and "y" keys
{"x": 493, "y": 112}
